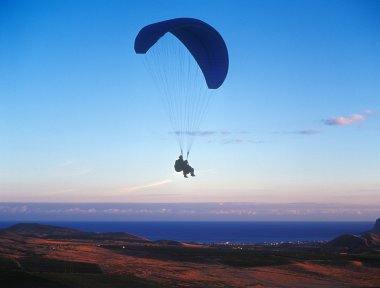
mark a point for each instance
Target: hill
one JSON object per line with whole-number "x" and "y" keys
{"x": 36, "y": 229}
{"x": 58, "y": 232}
{"x": 349, "y": 241}
{"x": 364, "y": 241}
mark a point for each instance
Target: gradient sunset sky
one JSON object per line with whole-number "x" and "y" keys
{"x": 296, "y": 121}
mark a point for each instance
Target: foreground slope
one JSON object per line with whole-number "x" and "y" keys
{"x": 45, "y": 261}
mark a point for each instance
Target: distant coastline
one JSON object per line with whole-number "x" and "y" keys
{"x": 221, "y": 232}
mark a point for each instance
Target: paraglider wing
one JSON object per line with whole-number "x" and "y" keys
{"x": 203, "y": 42}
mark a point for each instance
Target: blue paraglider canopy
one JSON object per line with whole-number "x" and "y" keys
{"x": 203, "y": 42}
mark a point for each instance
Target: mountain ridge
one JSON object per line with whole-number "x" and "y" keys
{"x": 60, "y": 232}
{"x": 367, "y": 240}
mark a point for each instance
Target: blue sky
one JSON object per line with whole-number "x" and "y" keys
{"x": 295, "y": 121}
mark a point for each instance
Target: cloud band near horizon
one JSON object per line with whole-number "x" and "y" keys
{"x": 187, "y": 211}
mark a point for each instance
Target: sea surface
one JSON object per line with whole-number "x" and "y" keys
{"x": 220, "y": 232}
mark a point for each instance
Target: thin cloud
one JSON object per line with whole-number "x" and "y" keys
{"x": 347, "y": 120}
{"x": 343, "y": 121}
{"x": 233, "y": 212}
{"x": 144, "y": 186}
{"x": 239, "y": 141}
{"x": 201, "y": 133}
{"x": 207, "y": 133}
{"x": 369, "y": 112}
{"x": 305, "y": 132}
{"x": 186, "y": 211}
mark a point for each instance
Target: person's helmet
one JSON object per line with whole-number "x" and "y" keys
{"x": 180, "y": 156}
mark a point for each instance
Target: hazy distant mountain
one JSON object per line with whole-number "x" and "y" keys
{"x": 58, "y": 232}
{"x": 36, "y": 229}
{"x": 369, "y": 239}
{"x": 376, "y": 228}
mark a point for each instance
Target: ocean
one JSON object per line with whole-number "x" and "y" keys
{"x": 219, "y": 232}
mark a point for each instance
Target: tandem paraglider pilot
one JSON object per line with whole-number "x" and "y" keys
{"x": 183, "y": 165}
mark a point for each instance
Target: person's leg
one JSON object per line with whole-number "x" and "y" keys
{"x": 186, "y": 171}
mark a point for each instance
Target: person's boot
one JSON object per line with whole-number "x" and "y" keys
{"x": 192, "y": 174}
{"x": 184, "y": 175}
